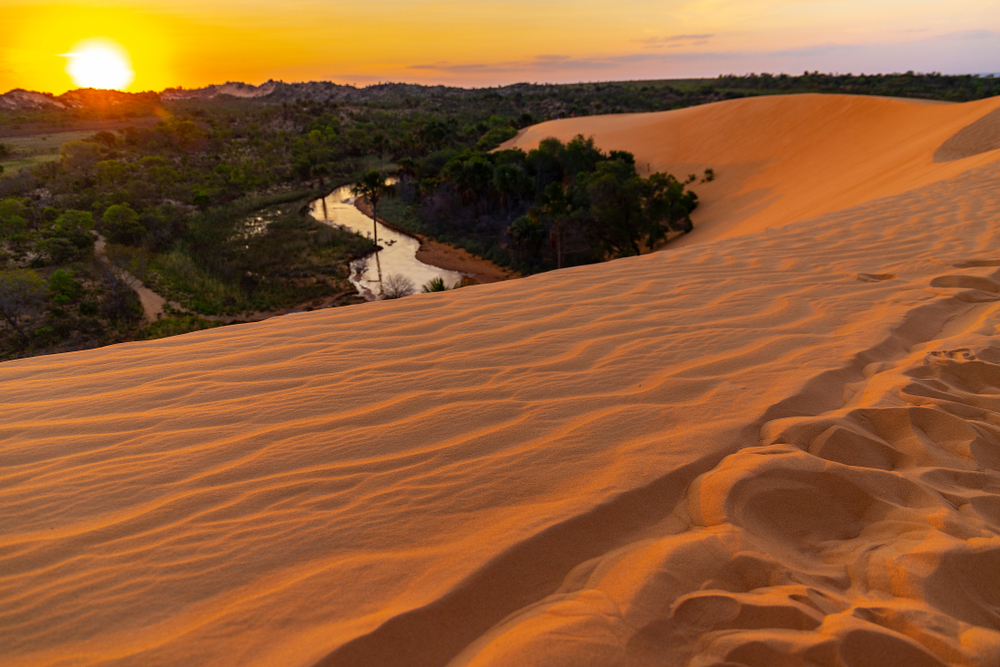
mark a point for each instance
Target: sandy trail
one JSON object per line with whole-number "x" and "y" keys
{"x": 152, "y": 303}
{"x": 776, "y": 448}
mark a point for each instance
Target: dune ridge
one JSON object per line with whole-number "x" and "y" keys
{"x": 785, "y": 158}
{"x": 776, "y": 448}
{"x": 868, "y": 534}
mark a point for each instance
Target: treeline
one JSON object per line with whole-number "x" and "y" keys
{"x": 557, "y": 205}
{"x": 934, "y": 86}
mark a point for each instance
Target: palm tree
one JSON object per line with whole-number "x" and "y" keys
{"x": 373, "y": 187}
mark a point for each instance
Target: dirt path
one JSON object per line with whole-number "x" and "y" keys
{"x": 152, "y": 303}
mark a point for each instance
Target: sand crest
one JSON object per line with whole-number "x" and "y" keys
{"x": 785, "y": 158}
{"x": 777, "y": 448}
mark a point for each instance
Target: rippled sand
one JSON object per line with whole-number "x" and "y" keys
{"x": 778, "y": 445}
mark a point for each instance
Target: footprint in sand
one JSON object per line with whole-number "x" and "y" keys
{"x": 874, "y": 277}
{"x": 967, "y": 282}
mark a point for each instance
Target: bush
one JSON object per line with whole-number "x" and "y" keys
{"x": 121, "y": 224}
{"x": 63, "y": 284}
{"x": 434, "y": 285}
{"x": 21, "y": 293}
{"x": 59, "y": 250}
{"x": 495, "y": 137}
{"x": 396, "y": 286}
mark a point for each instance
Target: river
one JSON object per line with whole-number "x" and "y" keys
{"x": 396, "y": 258}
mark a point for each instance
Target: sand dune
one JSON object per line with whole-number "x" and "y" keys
{"x": 778, "y": 448}
{"x": 786, "y": 158}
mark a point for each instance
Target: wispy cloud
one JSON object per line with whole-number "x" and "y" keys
{"x": 674, "y": 41}
{"x": 970, "y": 35}
{"x": 540, "y": 63}
{"x": 550, "y": 64}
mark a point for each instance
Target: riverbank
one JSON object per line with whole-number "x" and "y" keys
{"x": 448, "y": 257}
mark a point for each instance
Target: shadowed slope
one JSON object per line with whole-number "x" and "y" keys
{"x": 978, "y": 137}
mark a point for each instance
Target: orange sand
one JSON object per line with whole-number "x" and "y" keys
{"x": 784, "y": 158}
{"x": 777, "y": 448}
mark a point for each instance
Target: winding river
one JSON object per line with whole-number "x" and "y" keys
{"x": 396, "y": 258}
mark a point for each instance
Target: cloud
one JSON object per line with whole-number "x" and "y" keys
{"x": 674, "y": 41}
{"x": 970, "y": 35}
{"x": 540, "y": 63}
{"x": 552, "y": 64}
{"x": 920, "y": 53}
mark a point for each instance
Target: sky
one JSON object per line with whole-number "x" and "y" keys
{"x": 477, "y": 43}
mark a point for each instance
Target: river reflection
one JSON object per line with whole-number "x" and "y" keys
{"x": 397, "y": 256}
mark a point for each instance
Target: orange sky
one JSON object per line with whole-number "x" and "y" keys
{"x": 187, "y": 43}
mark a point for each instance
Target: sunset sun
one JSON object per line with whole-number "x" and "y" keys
{"x": 99, "y": 63}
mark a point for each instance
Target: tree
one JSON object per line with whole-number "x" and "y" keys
{"x": 112, "y": 172}
{"x": 64, "y": 288}
{"x": 122, "y": 225}
{"x": 72, "y": 220}
{"x": 13, "y": 217}
{"x": 615, "y": 194}
{"x": 80, "y": 157}
{"x": 397, "y": 286}
{"x": 21, "y": 292}
{"x": 668, "y": 207}
{"x": 381, "y": 144}
{"x": 59, "y": 250}
{"x": 527, "y": 235}
{"x": 373, "y": 187}
{"x": 121, "y": 270}
{"x": 555, "y": 206}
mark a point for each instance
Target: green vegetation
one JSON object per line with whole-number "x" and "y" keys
{"x": 204, "y": 200}
{"x": 933, "y": 86}
{"x": 434, "y": 285}
{"x": 201, "y": 219}
{"x": 557, "y": 205}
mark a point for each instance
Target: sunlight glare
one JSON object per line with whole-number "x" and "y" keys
{"x": 99, "y": 63}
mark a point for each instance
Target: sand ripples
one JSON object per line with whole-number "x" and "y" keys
{"x": 776, "y": 449}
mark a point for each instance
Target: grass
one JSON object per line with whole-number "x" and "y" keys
{"x": 33, "y": 150}
{"x": 175, "y": 276}
{"x": 12, "y": 166}
{"x": 50, "y": 142}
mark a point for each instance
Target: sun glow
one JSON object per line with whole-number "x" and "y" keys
{"x": 99, "y": 63}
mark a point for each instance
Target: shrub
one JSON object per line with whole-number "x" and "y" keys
{"x": 396, "y": 286}
{"x": 21, "y": 293}
{"x": 63, "y": 284}
{"x": 434, "y": 285}
{"x": 122, "y": 225}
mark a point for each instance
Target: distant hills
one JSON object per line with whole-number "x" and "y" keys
{"x": 271, "y": 91}
{"x": 540, "y": 100}
{"x": 73, "y": 99}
